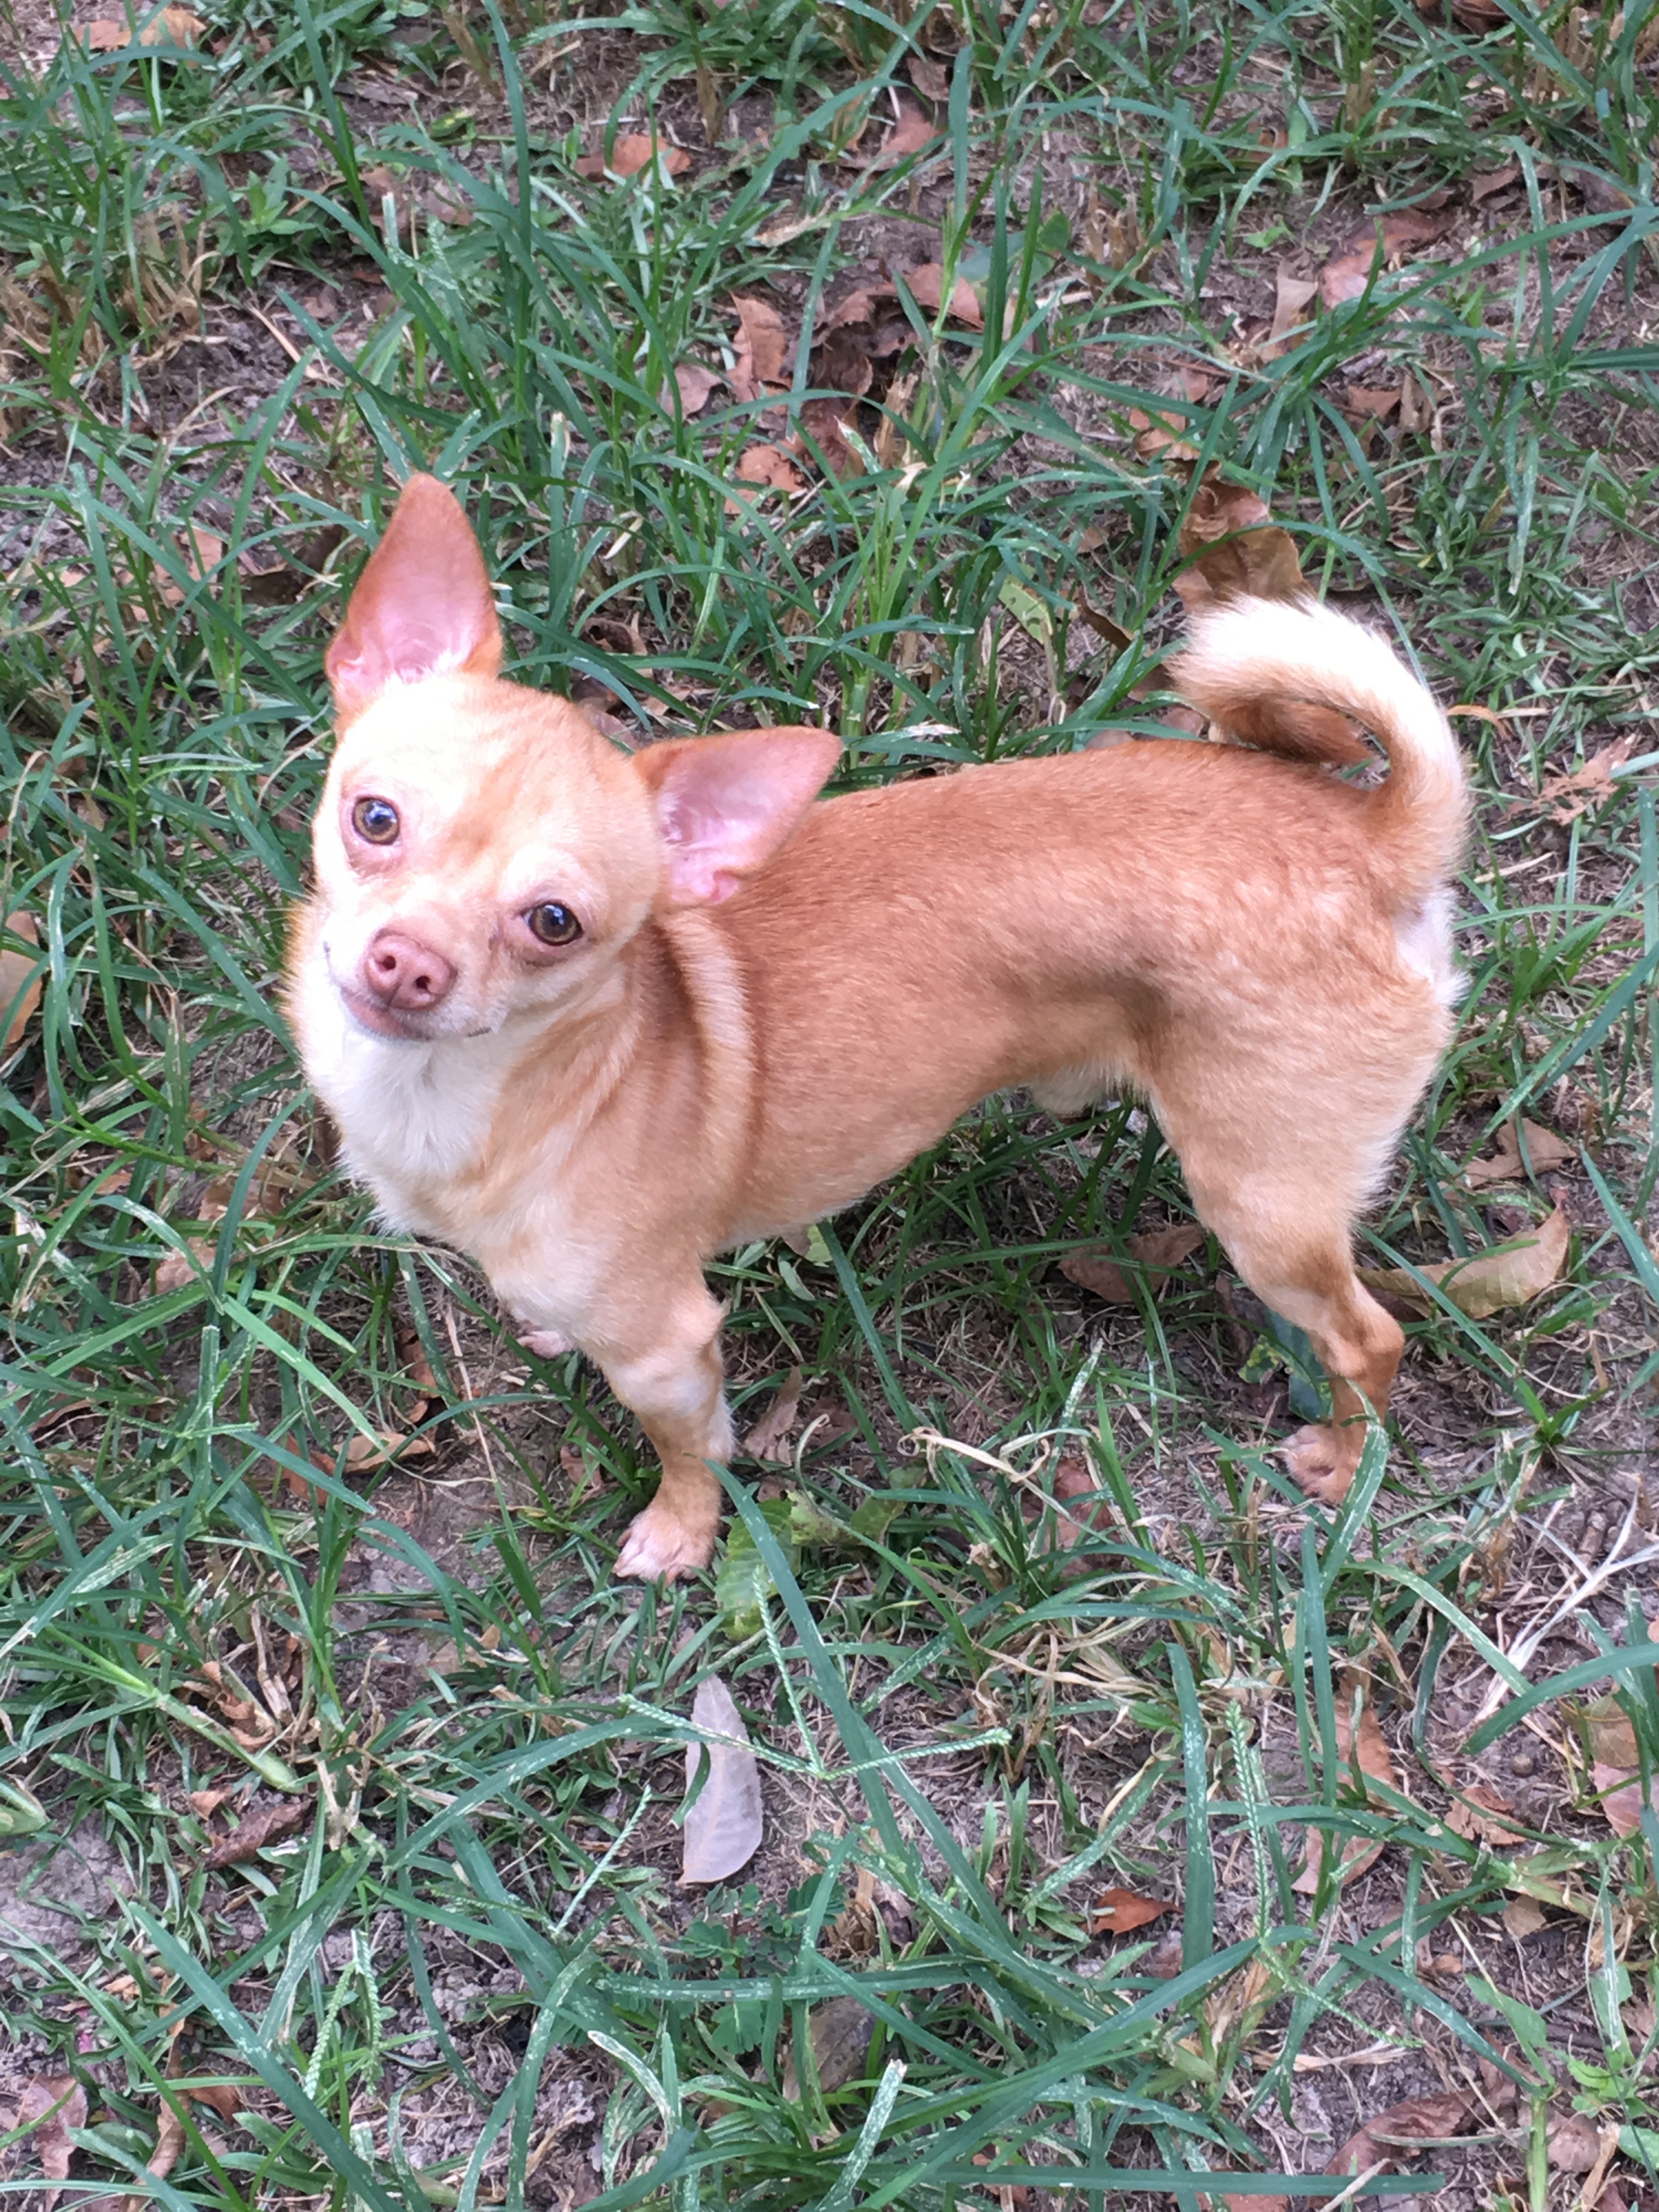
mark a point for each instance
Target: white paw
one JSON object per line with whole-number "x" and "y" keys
{"x": 659, "y": 1547}
{"x": 546, "y": 1343}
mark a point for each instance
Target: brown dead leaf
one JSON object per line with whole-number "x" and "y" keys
{"x": 767, "y": 467}
{"x": 255, "y": 1831}
{"x": 1568, "y": 795}
{"x": 1544, "y": 1150}
{"x": 1292, "y": 297}
{"x": 1347, "y": 274}
{"x": 1158, "y": 1252}
{"x": 1512, "y": 1273}
{"x": 1414, "y": 2119}
{"x": 1477, "y": 16}
{"x": 1372, "y": 1764}
{"x": 1522, "y": 1917}
{"x": 174, "y": 1270}
{"x": 175, "y": 27}
{"x": 1485, "y": 182}
{"x": 926, "y": 284}
{"x": 1160, "y": 437}
{"x": 1615, "y": 1764}
{"x": 1369, "y": 403}
{"x": 1234, "y": 547}
{"x": 225, "y": 2097}
{"x": 206, "y": 1802}
{"x": 1478, "y": 1812}
{"x": 840, "y": 2031}
{"x": 364, "y": 1453}
{"x": 826, "y": 421}
{"x": 631, "y": 153}
{"x": 911, "y": 132}
{"x": 1574, "y": 2144}
{"x": 50, "y": 2105}
{"x": 769, "y": 1438}
{"x": 1120, "y": 1911}
{"x": 931, "y": 78}
{"x": 20, "y": 981}
{"x": 1239, "y": 2001}
{"x": 696, "y": 385}
{"x": 762, "y": 346}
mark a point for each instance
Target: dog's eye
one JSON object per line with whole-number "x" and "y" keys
{"x": 553, "y": 924}
{"x": 375, "y": 820}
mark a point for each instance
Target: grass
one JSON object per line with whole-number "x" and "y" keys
{"x": 465, "y": 1974}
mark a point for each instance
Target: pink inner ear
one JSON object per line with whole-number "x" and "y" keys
{"x": 725, "y": 805}
{"x": 422, "y": 607}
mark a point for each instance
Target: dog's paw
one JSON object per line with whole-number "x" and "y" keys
{"x": 1323, "y": 1461}
{"x": 545, "y": 1343}
{"x": 659, "y": 1547}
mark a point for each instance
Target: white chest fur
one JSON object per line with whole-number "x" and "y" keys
{"x": 414, "y": 1116}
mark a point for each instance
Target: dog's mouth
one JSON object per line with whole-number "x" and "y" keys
{"x": 384, "y": 1021}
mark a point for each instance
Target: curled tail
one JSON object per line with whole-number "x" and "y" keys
{"x": 1281, "y": 674}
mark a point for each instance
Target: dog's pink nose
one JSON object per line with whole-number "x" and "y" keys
{"x": 401, "y": 972}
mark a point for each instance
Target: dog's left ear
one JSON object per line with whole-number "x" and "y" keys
{"x": 725, "y": 803}
{"x": 422, "y": 607}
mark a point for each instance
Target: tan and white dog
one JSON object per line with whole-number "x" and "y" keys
{"x": 594, "y": 1019}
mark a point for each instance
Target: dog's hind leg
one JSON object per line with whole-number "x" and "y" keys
{"x": 1284, "y": 1212}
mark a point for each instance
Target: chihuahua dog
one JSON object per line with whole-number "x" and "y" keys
{"x": 594, "y": 1018}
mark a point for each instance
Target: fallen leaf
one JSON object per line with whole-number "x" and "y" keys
{"x": 1369, "y": 403}
{"x": 1371, "y": 1763}
{"x": 204, "y": 1801}
{"x": 926, "y": 284}
{"x": 1120, "y": 1911}
{"x": 1159, "y": 1252}
{"x": 225, "y": 2097}
{"x": 50, "y": 2105}
{"x": 255, "y": 1831}
{"x": 631, "y": 153}
{"x": 1240, "y": 1996}
{"x": 931, "y": 78}
{"x": 1347, "y": 274}
{"x": 1414, "y": 2119}
{"x": 909, "y": 134}
{"x": 1484, "y": 183}
{"x": 840, "y": 2030}
{"x": 20, "y": 981}
{"x": 1615, "y": 1764}
{"x": 762, "y": 345}
{"x": 174, "y": 1270}
{"x": 1477, "y": 15}
{"x": 179, "y": 24}
{"x": 1568, "y": 795}
{"x": 722, "y": 1830}
{"x": 1544, "y": 1150}
{"x": 1575, "y": 2143}
{"x": 1233, "y": 547}
{"x": 1509, "y": 1274}
{"x": 1161, "y": 436}
{"x": 1479, "y": 1814}
{"x": 1522, "y": 1917}
{"x": 1292, "y": 297}
{"x": 826, "y": 423}
{"x": 169, "y": 2140}
{"x": 696, "y": 385}
{"x": 769, "y": 1438}
{"x": 1164, "y": 1961}
{"x": 767, "y": 465}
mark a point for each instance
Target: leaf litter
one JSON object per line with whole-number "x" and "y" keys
{"x": 1366, "y": 1759}
{"x": 723, "y": 1825}
{"x": 1487, "y": 1282}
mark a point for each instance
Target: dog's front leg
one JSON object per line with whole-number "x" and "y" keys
{"x": 667, "y": 1369}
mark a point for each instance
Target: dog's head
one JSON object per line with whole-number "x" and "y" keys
{"x": 481, "y": 851}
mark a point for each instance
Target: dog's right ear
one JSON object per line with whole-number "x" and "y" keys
{"x": 422, "y": 607}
